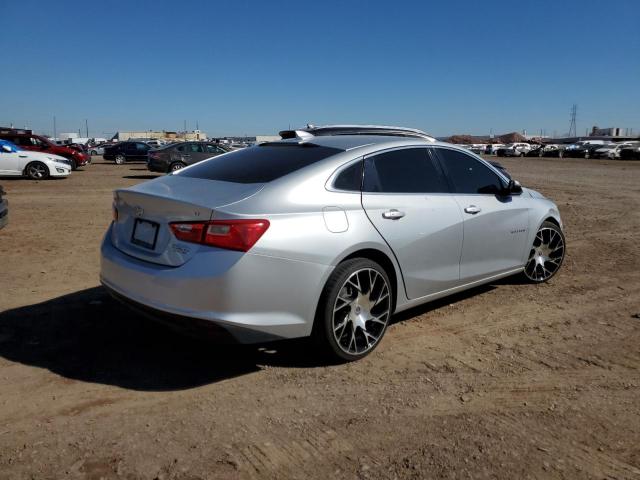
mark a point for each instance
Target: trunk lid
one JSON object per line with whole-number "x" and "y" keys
{"x": 145, "y": 211}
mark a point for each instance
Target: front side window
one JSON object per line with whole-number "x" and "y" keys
{"x": 142, "y": 146}
{"x": 469, "y": 175}
{"x": 408, "y": 170}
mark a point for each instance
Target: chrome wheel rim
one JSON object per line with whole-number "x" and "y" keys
{"x": 37, "y": 171}
{"x": 361, "y": 311}
{"x": 176, "y": 166}
{"x": 119, "y": 160}
{"x": 545, "y": 256}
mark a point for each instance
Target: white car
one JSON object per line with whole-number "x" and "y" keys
{"x": 612, "y": 151}
{"x": 516, "y": 149}
{"x": 35, "y": 165}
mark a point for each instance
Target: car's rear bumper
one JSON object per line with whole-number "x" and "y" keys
{"x": 155, "y": 166}
{"x": 253, "y": 297}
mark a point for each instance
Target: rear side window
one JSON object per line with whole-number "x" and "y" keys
{"x": 409, "y": 170}
{"x": 350, "y": 179}
{"x": 260, "y": 164}
{"x": 469, "y": 175}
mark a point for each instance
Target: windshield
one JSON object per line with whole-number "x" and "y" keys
{"x": 260, "y": 164}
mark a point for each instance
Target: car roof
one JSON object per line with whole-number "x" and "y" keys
{"x": 350, "y": 142}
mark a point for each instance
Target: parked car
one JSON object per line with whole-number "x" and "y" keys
{"x": 610, "y": 151}
{"x": 155, "y": 143}
{"x": 126, "y": 151}
{"x": 536, "y": 151}
{"x": 98, "y": 149}
{"x": 177, "y": 156}
{"x": 582, "y": 150}
{"x": 4, "y": 209}
{"x": 36, "y": 165}
{"x": 492, "y": 149}
{"x": 37, "y": 143}
{"x": 630, "y": 152}
{"x": 514, "y": 150}
{"x": 323, "y": 234}
{"x": 478, "y": 148}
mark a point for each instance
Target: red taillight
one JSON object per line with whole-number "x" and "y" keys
{"x": 230, "y": 234}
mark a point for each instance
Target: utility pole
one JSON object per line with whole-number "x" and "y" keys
{"x": 86, "y": 126}
{"x": 55, "y": 134}
{"x": 572, "y": 125}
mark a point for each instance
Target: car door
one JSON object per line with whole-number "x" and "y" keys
{"x": 128, "y": 149}
{"x": 197, "y": 153}
{"x": 406, "y": 197}
{"x": 495, "y": 225}
{"x": 141, "y": 151}
{"x": 10, "y": 163}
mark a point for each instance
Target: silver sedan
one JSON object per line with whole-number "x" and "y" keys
{"x": 326, "y": 233}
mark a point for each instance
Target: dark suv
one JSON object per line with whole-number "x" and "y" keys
{"x": 179, "y": 155}
{"x": 28, "y": 141}
{"x": 126, "y": 151}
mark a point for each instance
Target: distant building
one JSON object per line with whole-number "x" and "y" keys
{"x": 161, "y": 135}
{"x": 610, "y": 132}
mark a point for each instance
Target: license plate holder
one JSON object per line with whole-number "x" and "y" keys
{"x": 145, "y": 233}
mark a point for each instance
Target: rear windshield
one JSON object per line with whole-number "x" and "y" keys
{"x": 260, "y": 164}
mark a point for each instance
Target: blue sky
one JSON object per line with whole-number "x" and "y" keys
{"x": 254, "y": 67}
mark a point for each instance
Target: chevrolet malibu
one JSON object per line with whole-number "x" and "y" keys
{"x": 326, "y": 233}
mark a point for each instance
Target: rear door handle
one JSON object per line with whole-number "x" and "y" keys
{"x": 472, "y": 209}
{"x": 393, "y": 214}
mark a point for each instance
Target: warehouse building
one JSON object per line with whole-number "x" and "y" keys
{"x": 161, "y": 135}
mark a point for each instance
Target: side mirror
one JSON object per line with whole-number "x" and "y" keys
{"x": 514, "y": 188}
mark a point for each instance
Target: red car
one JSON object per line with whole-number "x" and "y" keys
{"x": 29, "y": 141}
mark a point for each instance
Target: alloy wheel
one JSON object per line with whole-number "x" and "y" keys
{"x": 37, "y": 171}
{"x": 545, "y": 256}
{"x": 361, "y": 311}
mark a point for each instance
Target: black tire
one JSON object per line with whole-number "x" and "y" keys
{"x": 74, "y": 164}
{"x": 37, "y": 171}
{"x": 324, "y": 334}
{"x": 120, "y": 159}
{"x": 176, "y": 166}
{"x": 93, "y": 152}
{"x": 537, "y": 270}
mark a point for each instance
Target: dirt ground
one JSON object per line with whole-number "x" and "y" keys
{"x": 506, "y": 381}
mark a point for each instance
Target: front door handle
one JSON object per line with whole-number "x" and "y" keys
{"x": 472, "y": 209}
{"x": 393, "y": 214}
